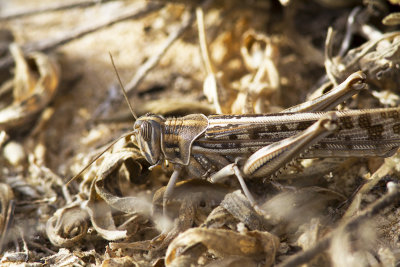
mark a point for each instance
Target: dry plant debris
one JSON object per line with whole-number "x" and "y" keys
{"x": 60, "y": 107}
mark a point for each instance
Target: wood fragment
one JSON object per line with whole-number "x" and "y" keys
{"x": 50, "y": 44}
{"x": 51, "y": 8}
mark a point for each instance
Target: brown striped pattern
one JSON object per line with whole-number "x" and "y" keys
{"x": 371, "y": 132}
{"x": 208, "y": 144}
{"x": 179, "y": 134}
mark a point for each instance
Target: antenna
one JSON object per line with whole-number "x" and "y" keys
{"x": 98, "y": 156}
{"x": 122, "y": 87}
{"x": 119, "y": 138}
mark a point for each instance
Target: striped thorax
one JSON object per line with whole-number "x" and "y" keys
{"x": 170, "y": 139}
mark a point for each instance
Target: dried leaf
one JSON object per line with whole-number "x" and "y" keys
{"x": 240, "y": 208}
{"x": 392, "y": 19}
{"x": 15, "y": 259}
{"x": 111, "y": 163}
{"x": 257, "y": 245}
{"x": 386, "y": 168}
{"x": 255, "y": 49}
{"x": 191, "y": 202}
{"x": 102, "y": 202}
{"x": 68, "y": 225}
{"x": 260, "y": 56}
{"x": 34, "y": 87}
{"x": 64, "y": 258}
{"x": 378, "y": 59}
{"x": 102, "y": 218}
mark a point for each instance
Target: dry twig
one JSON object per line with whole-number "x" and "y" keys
{"x": 51, "y": 8}
{"x": 50, "y": 44}
{"x": 153, "y": 60}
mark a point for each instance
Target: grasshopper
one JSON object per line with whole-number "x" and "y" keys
{"x": 260, "y": 145}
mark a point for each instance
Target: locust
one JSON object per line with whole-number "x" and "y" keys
{"x": 252, "y": 146}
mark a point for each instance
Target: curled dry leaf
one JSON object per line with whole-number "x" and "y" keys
{"x": 103, "y": 199}
{"x": 34, "y": 86}
{"x": 260, "y": 246}
{"x": 253, "y": 49}
{"x": 68, "y": 225}
{"x": 191, "y": 202}
{"x": 260, "y": 56}
{"x": 102, "y": 218}
{"x": 191, "y": 256}
{"x": 105, "y": 177}
{"x": 252, "y": 60}
{"x": 378, "y": 58}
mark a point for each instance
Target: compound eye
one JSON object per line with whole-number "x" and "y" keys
{"x": 145, "y": 131}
